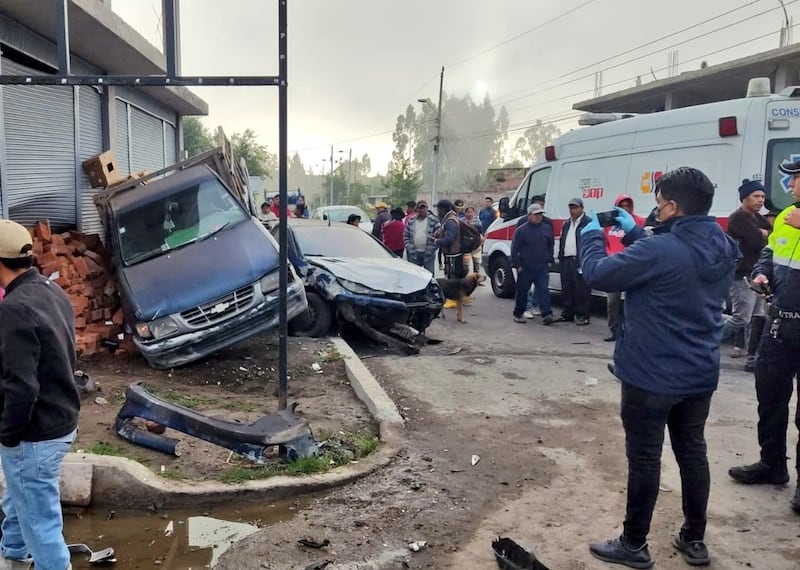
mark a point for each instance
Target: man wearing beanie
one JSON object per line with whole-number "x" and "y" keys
{"x": 39, "y": 403}
{"x": 750, "y": 229}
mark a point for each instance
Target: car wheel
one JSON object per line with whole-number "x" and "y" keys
{"x": 317, "y": 321}
{"x": 502, "y": 277}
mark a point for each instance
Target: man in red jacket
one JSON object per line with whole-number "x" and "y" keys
{"x": 392, "y": 232}
{"x": 614, "y": 245}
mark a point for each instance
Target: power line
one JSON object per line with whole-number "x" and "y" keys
{"x": 525, "y": 33}
{"x": 525, "y": 95}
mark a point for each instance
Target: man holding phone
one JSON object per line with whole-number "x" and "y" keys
{"x": 680, "y": 275}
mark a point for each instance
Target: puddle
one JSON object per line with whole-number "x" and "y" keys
{"x": 197, "y": 539}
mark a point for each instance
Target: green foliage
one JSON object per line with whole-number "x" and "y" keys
{"x": 260, "y": 162}
{"x": 402, "y": 181}
{"x": 302, "y": 466}
{"x": 196, "y": 138}
{"x": 365, "y": 445}
{"x": 104, "y": 448}
{"x": 533, "y": 141}
{"x": 172, "y": 473}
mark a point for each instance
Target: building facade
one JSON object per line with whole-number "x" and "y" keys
{"x": 46, "y": 132}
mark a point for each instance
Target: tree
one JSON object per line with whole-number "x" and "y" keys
{"x": 500, "y": 139}
{"x": 402, "y": 181}
{"x": 196, "y": 138}
{"x": 260, "y": 162}
{"x": 534, "y": 140}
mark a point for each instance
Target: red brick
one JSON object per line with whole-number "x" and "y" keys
{"x": 56, "y": 249}
{"x": 96, "y": 316}
{"x": 56, "y": 239}
{"x": 79, "y": 305}
{"x": 42, "y": 231}
{"x": 38, "y": 247}
{"x": 80, "y": 247}
{"x": 80, "y": 266}
{"x": 107, "y": 314}
{"x": 80, "y": 322}
{"x": 118, "y": 317}
{"x": 92, "y": 267}
{"x": 94, "y": 256}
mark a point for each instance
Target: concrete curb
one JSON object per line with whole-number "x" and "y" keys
{"x": 124, "y": 483}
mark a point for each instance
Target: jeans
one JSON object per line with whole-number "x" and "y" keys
{"x": 32, "y": 503}
{"x": 540, "y": 278}
{"x": 419, "y": 259}
{"x": 743, "y": 303}
{"x": 776, "y": 367}
{"x": 644, "y": 416}
{"x": 576, "y": 295}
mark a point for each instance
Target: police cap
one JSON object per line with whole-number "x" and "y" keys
{"x": 790, "y": 168}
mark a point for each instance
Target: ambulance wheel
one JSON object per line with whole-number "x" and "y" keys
{"x": 502, "y": 277}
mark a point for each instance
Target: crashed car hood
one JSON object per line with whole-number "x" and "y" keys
{"x": 389, "y": 275}
{"x": 200, "y": 272}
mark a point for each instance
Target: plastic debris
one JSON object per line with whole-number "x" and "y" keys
{"x": 313, "y": 543}
{"x": 170, "y": 529}
{"x": 511, "y": 556}
{"x": 316, "y": 368}
{"x": 591, "y": 381}
{"x": 475, "y": 460}
{"x": 100, "y": 401}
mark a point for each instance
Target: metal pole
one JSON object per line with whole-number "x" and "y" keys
{"x": 172, "y": 36}
{"x": 62, "y": 34}
{"x": 283, "y": 232}
{"x": 438, "y": 141}
{"x": 331, "y": 198}
{"x": 349, "y": 168}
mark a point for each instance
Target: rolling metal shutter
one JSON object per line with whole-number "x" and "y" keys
{"x": 40, "y": 151}
{"x": 169, "y": 144}
{"x": 121, "y": 140}
{"x": 147, "y": 141}
{"x": 90, "y": 130}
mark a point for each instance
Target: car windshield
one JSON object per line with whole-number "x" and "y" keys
{"x": 193, "y": 214}
{"x": 341, "y": 214}
{"x": 338, "y": 241}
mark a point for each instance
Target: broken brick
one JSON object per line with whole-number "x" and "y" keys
{"x": 42, "y": 231}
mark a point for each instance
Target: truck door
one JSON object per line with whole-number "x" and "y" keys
{"x": 782, "y": 145}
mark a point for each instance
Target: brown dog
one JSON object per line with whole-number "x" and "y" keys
{"x": 460, "y": 289}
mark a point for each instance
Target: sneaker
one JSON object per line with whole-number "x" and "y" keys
{"x": 520, "y": 320}
{"x": 581, "y": 321}
{"x": 612, "y": 368}
{"x": 564, "y": 319}
{"x": 750, "y": 367}
{"x": 548, "y": 320}
{"x": 694, "y": 552}
{"x": 737, "y": 352}
{"x": 528, "y": 314}
{"x": 796, "y": 501}
{"x": 536, "y": 312}
{"x": 760, "y": 474}
{"x": 612, "y": 336}
{"x": 616, "y": 552}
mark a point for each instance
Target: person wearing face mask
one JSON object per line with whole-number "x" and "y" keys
{"x": 778, "y": 360}
{"x": 678, "y": 277}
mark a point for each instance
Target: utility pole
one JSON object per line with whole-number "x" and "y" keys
{"x": 330, "y": 203}
{"x": 349, "y": 168}
{"x": 438, "y": 141}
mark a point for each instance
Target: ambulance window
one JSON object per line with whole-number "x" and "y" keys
{"x": 777, "y": 184}
{"x": 536, "y": 186}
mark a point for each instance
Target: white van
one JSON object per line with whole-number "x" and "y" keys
{"x": 626, "y": 154}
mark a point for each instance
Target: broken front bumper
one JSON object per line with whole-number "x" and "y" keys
{"x": 383, "y": 313}
{"x": 185, "y": 348}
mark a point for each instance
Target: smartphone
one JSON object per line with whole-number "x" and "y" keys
{"x": 607, "y": 219}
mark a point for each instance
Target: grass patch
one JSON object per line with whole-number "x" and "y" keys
{"x": 103, "y": 448}
{"x": 185, "y": 400}
{"x": 363, "y": 445}
{"x": 330, "y": 354}
{"x": 302, "y": 466}
{"x": 171, "y": 473}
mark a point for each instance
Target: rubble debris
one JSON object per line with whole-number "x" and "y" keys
{"x": 84, "y": 382}
{"x": 313, "y": 543}
{"x": 282, "y": 429}
{"x": 591, "y": 381}
{"x": 418, "y": 545}
{"x": 170, "y": 529}
{"x": 319, "y": 565}
{"x": 79, "y": 264}
{"x": 104, "y": 556}
{"x": 475, "y": 460}
{"x": 511, "y": 556}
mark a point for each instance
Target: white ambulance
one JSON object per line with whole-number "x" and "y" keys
{"x": 626, "y": 154}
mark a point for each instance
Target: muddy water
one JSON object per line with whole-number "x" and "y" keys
{"x": 170, "y": 539}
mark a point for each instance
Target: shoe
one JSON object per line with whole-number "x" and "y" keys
{"x": 694, "y": 552}
{"x": 548, "y": 320}
{"x": 563, "y": 319}
{"x": 612, "y": 368}
{"x": 527, "y": 314}
{"x": 468, "y": 300}
{"x": 450, "y": 304}
{"x": 616, "y": 552}
{"x": 737, "y": 352}
{"x": 750, "y": 367}
{"x": 521, "y": 320}
{"x": 582, "y": 322}
{"x": 611, "y": 337}
{"x": 796, "y": 501}
{"x": 760, "y": 474}
{"x": 536, "y": 312}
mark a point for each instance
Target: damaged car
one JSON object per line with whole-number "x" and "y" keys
{"x": 197, "y": 270}
{"x": 352, "y": 279}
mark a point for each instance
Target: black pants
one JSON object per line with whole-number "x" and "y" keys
{"x": 576, "y": 295}
{"x": 454, "y": 266}
{"x": 776, "y": 367}
{"x": 615, "y": 307}
{"x": 644, "y": 416}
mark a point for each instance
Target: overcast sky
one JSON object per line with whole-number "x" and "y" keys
{"x": 354, "y": 65}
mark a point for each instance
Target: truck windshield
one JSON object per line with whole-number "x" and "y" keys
{"x": 776, "y": 183}
{"x": 177, "y": 220}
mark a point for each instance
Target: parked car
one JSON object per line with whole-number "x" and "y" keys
{"x": 351, "y": 278}
{"x": 340, "y": 214}
{"x": 197, "y": 271}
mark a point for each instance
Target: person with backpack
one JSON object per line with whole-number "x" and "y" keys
{"x": 448, "y": 240}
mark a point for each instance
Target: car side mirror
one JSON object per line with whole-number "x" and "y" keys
{"x": 325, "y": 216}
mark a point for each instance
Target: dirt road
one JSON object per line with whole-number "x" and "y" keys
{"x": 539, "y": 408}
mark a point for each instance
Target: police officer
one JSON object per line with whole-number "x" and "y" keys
{"x": 779, "y": 358}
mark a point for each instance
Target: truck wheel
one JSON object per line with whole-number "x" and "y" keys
{"x": 502, "y": 277}
{"x": 317, "y": 321}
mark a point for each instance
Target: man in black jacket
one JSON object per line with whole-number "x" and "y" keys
{"x": 531, "y": 255}
{"x": 576, "y": 295}
{"x": 39, "y": 403}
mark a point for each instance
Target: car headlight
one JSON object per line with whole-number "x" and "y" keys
{"x": 163, "y": 327}
{"x": 270, "y": 282}
{"x": 143, "y": 330}
{"x": 434, "y": 291}
{"x": 358, "y": 288}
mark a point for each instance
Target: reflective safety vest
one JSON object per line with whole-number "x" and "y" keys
{"x": 784, "y": 241}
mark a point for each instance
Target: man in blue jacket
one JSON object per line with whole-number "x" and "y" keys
{"x": 531, "y": 254}
{"x": 677, "y": 278}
